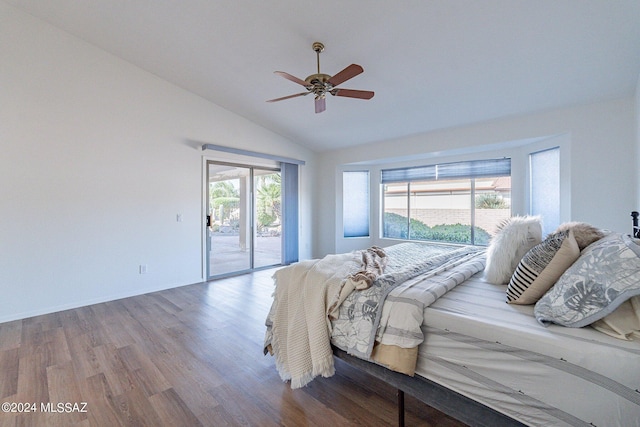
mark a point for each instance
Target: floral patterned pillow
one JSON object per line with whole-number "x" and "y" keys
{"x": 606, "y": 275}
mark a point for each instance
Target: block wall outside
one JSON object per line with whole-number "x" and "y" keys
{"x": 486, "y": 219}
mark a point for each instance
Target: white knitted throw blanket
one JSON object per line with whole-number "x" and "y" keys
{"x": 301, "y": 330}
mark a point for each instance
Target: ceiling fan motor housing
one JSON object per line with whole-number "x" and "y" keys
{"x": 319, "y": 84}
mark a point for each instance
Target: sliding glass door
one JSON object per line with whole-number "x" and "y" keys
{"x": 244, "y": 221}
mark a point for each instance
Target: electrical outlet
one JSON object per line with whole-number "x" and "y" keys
{"x": 143, "y": 268}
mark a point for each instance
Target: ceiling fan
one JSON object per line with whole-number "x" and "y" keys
{"x": 321, "y": 84}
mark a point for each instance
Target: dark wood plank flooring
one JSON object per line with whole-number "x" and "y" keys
{"x": 189, "y": 356}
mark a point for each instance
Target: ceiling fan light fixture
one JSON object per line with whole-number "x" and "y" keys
{"x": 320, "y": 84}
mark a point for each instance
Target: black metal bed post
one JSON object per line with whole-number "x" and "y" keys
{"x": 400, "y": 408}
{"x": 636, "y": 229}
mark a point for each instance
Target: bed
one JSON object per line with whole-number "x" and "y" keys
{"x": 458, "y": 346}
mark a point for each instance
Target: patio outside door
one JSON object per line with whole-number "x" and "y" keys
{"x": 244, "y": 218}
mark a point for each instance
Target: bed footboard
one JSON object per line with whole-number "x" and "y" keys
{"x": 435, "y": 395}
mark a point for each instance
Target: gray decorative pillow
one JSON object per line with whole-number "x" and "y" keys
{"x": 606, "y": 275}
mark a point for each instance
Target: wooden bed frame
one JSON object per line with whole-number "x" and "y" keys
{"x": 454, "y": 404}
{"x": 433, "y": 394}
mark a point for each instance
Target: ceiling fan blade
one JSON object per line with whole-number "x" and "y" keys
{"x": 321, "y": 104}
{"x": 351, "y": 93}
{"x": 346, "y": 74}
{"x": 290, "y": 96}
{"x": 292, "y": 78}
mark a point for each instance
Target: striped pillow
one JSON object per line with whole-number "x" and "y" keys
{"x": 541, "y": 267}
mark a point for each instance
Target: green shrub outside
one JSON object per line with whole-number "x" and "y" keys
{"x": 491, "y": 201}
{"x": 395, "y": 226}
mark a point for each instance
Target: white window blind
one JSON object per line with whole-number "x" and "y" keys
{"x": 544, "y": 179}
{"x": 355, "y": 203}
{"x": 469, "y": 169}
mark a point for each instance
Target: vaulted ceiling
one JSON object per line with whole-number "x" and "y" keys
{"x": 433, "y": 64}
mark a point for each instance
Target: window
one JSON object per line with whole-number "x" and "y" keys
{"x": 544, "y": 187}
{"x": 355, "y": 203}
{"x": 460, "y": 202}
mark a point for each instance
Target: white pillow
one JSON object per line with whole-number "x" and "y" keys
{"x": 513, "y": 240}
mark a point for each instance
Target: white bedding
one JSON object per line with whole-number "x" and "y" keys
{"x": 499, "y": 355}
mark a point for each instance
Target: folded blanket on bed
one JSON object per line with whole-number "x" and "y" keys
{"x": 298, "y": 327}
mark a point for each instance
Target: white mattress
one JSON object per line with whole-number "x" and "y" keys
{"x": 496, "y": 353}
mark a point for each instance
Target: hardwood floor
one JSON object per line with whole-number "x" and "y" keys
{"x": 189, "y": 356}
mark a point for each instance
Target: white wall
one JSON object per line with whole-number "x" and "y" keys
{"x": 637, "y": 118}
{"x": 97, "y": 158}
{"x": 603, "y": 161}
